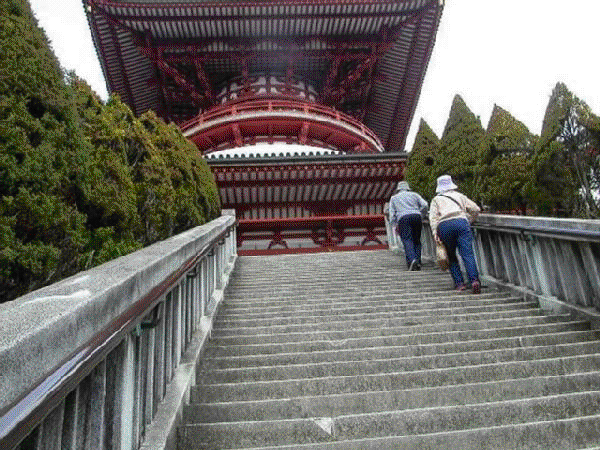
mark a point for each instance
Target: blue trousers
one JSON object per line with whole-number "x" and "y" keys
{"x": 409, "y": 229}
{"x": 456, "y": 234}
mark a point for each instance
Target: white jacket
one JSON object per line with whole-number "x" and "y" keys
{"x": 444, "y": 208}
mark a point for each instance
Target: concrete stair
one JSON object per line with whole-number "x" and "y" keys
{"x": 348, "y": 350}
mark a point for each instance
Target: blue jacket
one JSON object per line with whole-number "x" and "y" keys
{"x": 406, "y": 202}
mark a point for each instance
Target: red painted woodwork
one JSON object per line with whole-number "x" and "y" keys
{"x": 250, "y": 121}
{"x": 338, "y": 75}
{"x": 307, "y": 185}
{"x": 366, "y": 58}
{"x": 325, "y": 231}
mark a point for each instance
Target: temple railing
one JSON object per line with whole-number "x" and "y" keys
{"x": 557, "y": 261}
{"x": 323, "y": 232}
{"x": 253, "y": 120}
{"x": 104, "y": 359}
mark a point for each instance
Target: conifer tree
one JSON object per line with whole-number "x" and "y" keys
{"x": 42, "y": 159}
{"x": 561, "y": 184}
{"x": 502, "y": 172}
{"x": 149, "y": 181}
{"x": 591, "y": 122}
{"x": 420, "y": 170}
{"x": 81, "y": 182}
{"x": 460, "y": 146}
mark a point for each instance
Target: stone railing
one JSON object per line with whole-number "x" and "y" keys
{"x": 556, "y": 261}
{"x": 105, "y": 359}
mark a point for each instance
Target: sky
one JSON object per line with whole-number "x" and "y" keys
{"x": 510, "y": 53}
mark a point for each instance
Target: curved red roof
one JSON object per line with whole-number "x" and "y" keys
{"x": 366, "y": 58}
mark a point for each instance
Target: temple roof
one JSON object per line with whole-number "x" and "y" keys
{"x": 366, "y": 58}
{"x": 288, "y": 186}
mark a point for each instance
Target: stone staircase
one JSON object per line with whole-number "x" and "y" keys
{"x": 348, "y": 350}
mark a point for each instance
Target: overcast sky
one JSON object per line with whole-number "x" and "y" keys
{"x": 509, "y": 52}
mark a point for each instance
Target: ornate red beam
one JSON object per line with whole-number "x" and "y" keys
{"x": 316, "y": 207}
{"x": 336, "y": 181}
{"x": 334, "y": 166}
{"x": 230, "y": 4}
{"x": 304, "y": 223}
{"x": 327, "y": 232}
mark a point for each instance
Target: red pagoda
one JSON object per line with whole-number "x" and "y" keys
{"x": 338, "y": 80}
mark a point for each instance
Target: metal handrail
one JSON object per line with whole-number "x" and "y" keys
{"x": 19, "y": 418}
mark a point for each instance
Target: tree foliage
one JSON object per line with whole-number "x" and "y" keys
{"x": 507, "y": 168}
{"x": 561, "y": 183}
{"x": 503, "y": 171}
{"x": 460, "y": 146}
{"x": 81, "y": 182}
{"x": 149, "y": 181}
{"x": 420, "y": 170}
{"x": 42, "y": 159}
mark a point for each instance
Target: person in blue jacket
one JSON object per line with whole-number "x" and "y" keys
{"x": 406, "y": 212}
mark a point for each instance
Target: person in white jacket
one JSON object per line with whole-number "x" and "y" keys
{"x": 407, "y": 209}
{"x": 450, "y": 215}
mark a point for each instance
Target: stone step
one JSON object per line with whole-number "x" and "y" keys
{"x": 248, "y": 335}
{"x": 399, "y": 310}
{"x": 334, "y": 264}
{"x": 336, "y": 275}
{"x": 417, "y": 316}
{"x": 406, "y": 338}
{"x": 306, "y": 296}
{"x": 378, "y": 401}
{"x": 361, "y": 303}
{"x": 327, "y": 289}
{"x": 394, "y": 364}
{"x": 250, "y": 434}
{"x": 261, "y": 390}
{"x": 438, "y": 299}
{"x": 322, "y": 277}
{"x": 382, "y": 276}
{"x": 370, "y": 353}
{"x": 377, "y": 327}
{"x": 350, "y": 351}
{"x": 568, "y": 434}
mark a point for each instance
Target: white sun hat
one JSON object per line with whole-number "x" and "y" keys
{"x": 445, "y": 183}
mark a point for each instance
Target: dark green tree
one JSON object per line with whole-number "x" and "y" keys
{"x": 420, "y": 170}
{"x": 81, "y": 182}
{"x": 580, "y": 139}
{"x": 503, "y": 171}
{"x": 591, "y": 122}
{"x": 149, "y": 181}
{"x": 42, "y": 160}
{"x": 561, "y": 184}
{"x": 460, "y": 147}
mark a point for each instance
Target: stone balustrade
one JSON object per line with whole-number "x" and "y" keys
{"x": 104, "y": 359}
{"x": 557, "y": 261}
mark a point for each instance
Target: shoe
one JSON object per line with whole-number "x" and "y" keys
{"x": 413, "y": 265}
{"x": 476, "y": 285}
{"x": 461, "y": 287}
{"x": 418, "y": 266}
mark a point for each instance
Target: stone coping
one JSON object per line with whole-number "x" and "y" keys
{"x": 547, "y": 223}
{"x": 41, "y": 329}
